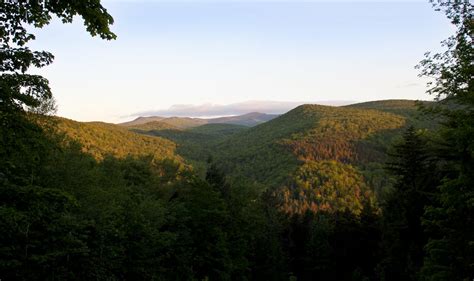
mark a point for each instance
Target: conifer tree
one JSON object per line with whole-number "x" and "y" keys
{"x": 448, "y": 221}
{"x": 403, "y": 235}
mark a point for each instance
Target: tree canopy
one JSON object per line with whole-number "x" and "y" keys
{"x": 291, "y": 199}
{"x": 21, "y": 90}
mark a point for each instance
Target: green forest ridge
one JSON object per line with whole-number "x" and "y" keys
{"x": 312, "y": 141}
{"x": 373, "y": 191}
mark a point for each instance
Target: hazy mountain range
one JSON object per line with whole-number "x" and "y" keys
{"x": 214, "y": 110}
{"x": 159, "y": 122}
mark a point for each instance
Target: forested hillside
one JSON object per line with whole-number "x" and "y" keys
{"x": 273, "y": 151}
{"x": 102, "y": 139}
{"x": 405, "y": 108}
{"x": 401, "y": 107}
{"x": 382, "y": 190}
{"x": 152, "y": 125}
{"x": 353, "y": 140}
{"x": 319, "y": 170}
{"x": 195, "y": 144}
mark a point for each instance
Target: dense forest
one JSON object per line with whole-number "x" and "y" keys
{"x": 381, "y": 190}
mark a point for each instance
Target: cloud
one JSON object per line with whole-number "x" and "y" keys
{"x": 214, "y": 110}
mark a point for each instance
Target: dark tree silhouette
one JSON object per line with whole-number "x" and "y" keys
{"x": 450, "y": 249}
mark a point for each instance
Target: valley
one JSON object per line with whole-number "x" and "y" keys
{"x": 269, "y": 151}
{"x": 245, "y": 156}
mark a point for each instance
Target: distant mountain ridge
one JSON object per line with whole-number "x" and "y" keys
{"x": 341, "y": 149}
{"x": 250, "y": 119}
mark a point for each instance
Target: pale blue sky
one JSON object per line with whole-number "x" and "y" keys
{"x": 229, "y": 51}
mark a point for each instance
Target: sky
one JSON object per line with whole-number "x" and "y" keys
{"x": 196, "y": 54}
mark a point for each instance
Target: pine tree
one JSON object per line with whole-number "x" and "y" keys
{"x": 448, "y": 221}
{"x": 403, "y": 235}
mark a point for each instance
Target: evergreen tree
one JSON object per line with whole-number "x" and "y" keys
{"x": 216, "y": 178}
{"x": 403, "y": 234}
{"x": 448, "y": 221}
